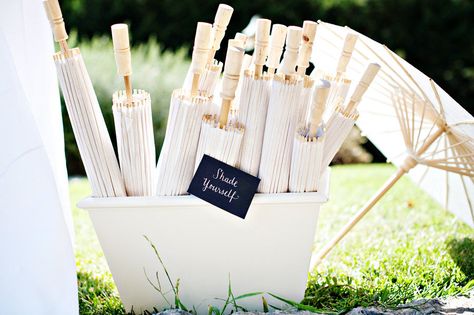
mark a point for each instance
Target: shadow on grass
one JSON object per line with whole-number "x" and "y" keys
{"x": 462, "y": 253}
{"x": 97, "y": 295}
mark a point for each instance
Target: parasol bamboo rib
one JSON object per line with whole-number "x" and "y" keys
{"x": 410, "y": 162}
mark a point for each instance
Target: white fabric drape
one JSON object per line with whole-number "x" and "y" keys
{"x": 37, "y": 259}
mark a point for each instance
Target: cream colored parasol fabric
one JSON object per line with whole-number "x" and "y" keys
{"x": 412, "y": 121}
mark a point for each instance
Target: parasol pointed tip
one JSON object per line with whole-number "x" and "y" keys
{"x": 223, "y": 14}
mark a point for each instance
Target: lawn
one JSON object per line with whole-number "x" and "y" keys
{"x": 406, "y": 248}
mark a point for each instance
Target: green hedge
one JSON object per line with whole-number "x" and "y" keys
{"x": 434, "y": 35}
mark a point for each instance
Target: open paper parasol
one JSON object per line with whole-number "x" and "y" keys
{"x": 84, "y": 112}
{"x": 175, "y": 166}
{"x": 306, "y": 161}
{"x": 343, "y": 118}
{"x": 416, "y": 124}
{"x": 282, "y": 118}
{"x": 253, "y": 101}
{"x": 221, "y": 138}
{"x": 133, "y": 124}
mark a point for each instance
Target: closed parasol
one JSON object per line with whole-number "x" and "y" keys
{"x": 175, "y": 166}
{"x": 220, "y": 137}
{"x": 306, "y": 161}
{"x": 90, "y": 131}
{"x": 253, "y": 104}
{"x": 281, "y": 120}
{"x": 133, "y": 124}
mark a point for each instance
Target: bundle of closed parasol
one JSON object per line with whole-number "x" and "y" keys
{"x": 84, "y": 112}
{"x": 306, "y": 161}
{"x": 175, "y": 166}
{"x": 281, "y": 119}
{"x": 133, "y": 124}
{"x": 220, "y": 137}
{"x": 256, "y": 135}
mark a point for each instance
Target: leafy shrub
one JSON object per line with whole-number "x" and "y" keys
{"x": 431, "y": 34}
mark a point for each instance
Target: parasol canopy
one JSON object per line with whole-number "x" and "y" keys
{"x": 133, "y": 123}
{"x": 86, "y": 118}
{"x": 413, "y": 122}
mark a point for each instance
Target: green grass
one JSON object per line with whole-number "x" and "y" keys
{"x": 406, "y": 248}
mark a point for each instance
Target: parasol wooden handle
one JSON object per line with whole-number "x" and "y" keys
{"x": 202, "y": 45}
{"x": 121, "y": 44}
{"x": 236, "y": 43}
{"x": 242, "y": 38}
{"x": 364, "y": 83}
{"x": 123, "y": 58}
{"x": 320, "y": 96}
{"x": 346, "y": 54}
{"x": 293, "y": 37}
{"x": 221, "y": 20}
{"x": 247, "y": 61}
{"x": 230, "y": 80}
{"x": 277, "y": 40}
{"x": 262, "y": 37}
{"x": 306, "y": 46}
{"x": 55, "y": 17}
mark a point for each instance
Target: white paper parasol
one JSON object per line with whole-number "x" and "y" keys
{"x": 175, "y": 166}
{"x": 340, "y": 83}
{"x": 306, "y": 46}
{"x": 343, "y": 118}
{"x": 306, "y": 161}
{"x": 281, "y": 119}
{"x": 219, "y": 137}
{"x": 304, "y": 55}
{"x": 133, "y": 124}
{"x": 253, "y": 104}
{"x": 210, "y": 76}
{"x": 416, "y": 124}
{"x": 86, "y": 118}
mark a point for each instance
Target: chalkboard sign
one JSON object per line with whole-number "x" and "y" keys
{"x": 224, "y": 186}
